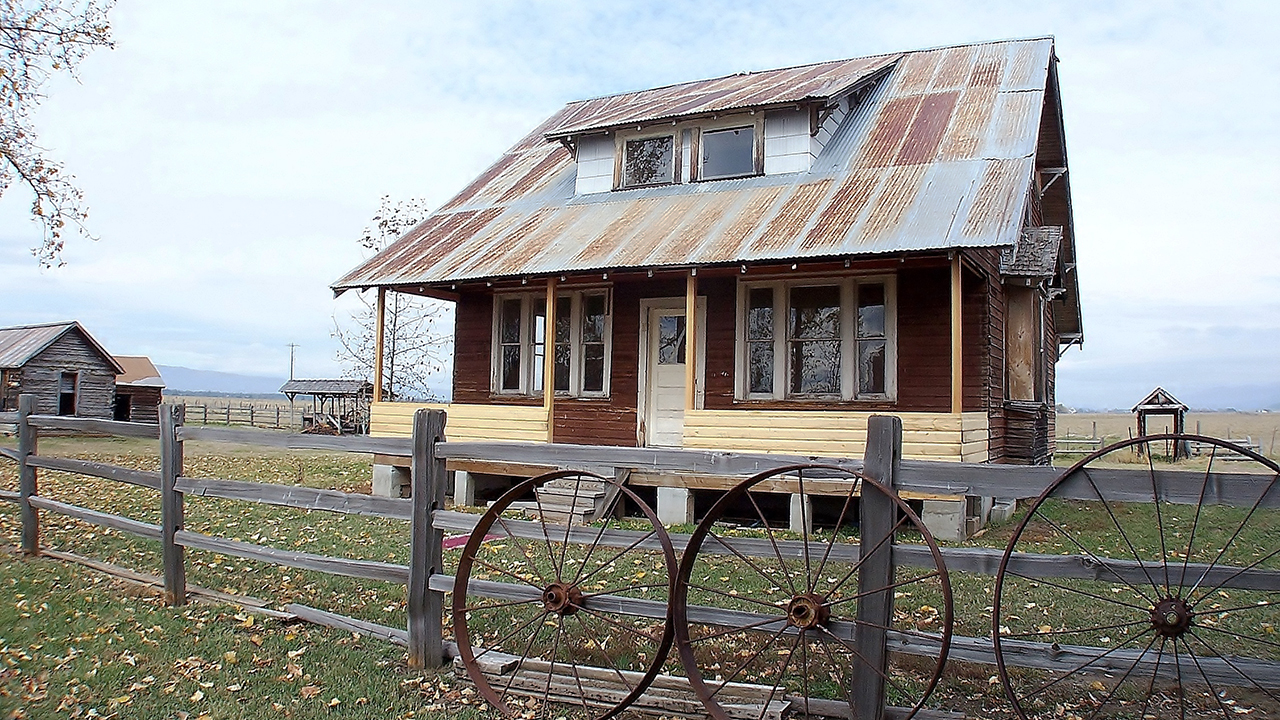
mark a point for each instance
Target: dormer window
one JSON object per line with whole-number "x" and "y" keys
{"x": 728, "y": 153}
{"x": 649, "y": 161}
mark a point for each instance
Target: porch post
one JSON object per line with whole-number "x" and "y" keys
{"x": 691, "y": 339}
{"x": 379, "y": 325}
{"x": 957, "y": 348}
{"x": 549, "y": 360}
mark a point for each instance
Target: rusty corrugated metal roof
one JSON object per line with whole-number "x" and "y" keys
{"x": 20, "y": 343}
{"x": 939, "y": 155}
{"x": 769, "y": 88}
{"x": 138, "y": 372}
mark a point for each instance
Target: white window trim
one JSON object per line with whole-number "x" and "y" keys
{"x": 577, "y": 357}
{"x": 848, "y": 341}
{"x": 620, "y": 157}
{"x": 687, "y": 148}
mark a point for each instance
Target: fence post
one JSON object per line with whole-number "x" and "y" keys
{"x": 880, "y": 462}
{"x": 27, "y": 446}
{"x": 171, "y": 509}
{"x": 426, "y": 608}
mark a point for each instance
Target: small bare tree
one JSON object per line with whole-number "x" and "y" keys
{"x": 413, "y": 343}
{"x": 37, "y": 39}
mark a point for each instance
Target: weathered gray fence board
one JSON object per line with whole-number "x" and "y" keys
{"x": 1067, "y": 658}
{"x": 172, "y": 512}
{"x": 268, "y": 438}
{"x": 10, "y": 454}
{"x": 366, "y": 569}
{"x": 141, "y": 478}
{"x": 8, "y": 418}
{"x": 302, "y": 498}
{"x": 426, "y": 543}
{"x": 10, "y": 496}
{"x": 95, "y": 426}
{"x": 349, "y": 624}
{"x": 28, "y": 483}
{"x": 146, "y": 530}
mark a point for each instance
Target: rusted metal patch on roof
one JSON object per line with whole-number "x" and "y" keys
{"x": 539, "y": 176}
{"x": 839, "y": 216}
{"x": 954, "y": 69}
{"x": 895, "y": 198}
{"x": 792, "y": 218}
{"x": 743, "y": 224}
{"x": 927, "y": 128}
{"x": 997, "y": 195}
{"x": 917, "y": 72}
{"x": 988, "y": 68}
{"x": 703, "y": 217}
{"x": 968, "y": 125}
{"x": 889, "y": 131}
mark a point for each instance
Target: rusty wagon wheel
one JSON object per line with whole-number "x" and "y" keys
{"x": 1169, "y": 603}
{"x": 553, "y": 611}
{"x": 767, "y": 619}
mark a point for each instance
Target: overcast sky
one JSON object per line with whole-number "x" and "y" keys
{"x": 231, "y": 153}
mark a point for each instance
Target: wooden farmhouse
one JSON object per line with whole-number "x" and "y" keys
{"x": 62, "y": 365}
{"x": 759, "y": 262}
{"x": 139, "y": 390}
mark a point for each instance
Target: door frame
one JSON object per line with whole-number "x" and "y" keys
{"x": 647, "y": 305}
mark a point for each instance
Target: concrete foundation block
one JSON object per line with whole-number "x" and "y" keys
{"x": 945, "y": 519}
{"x": 801, "y": 514}
{"x": 464, "y": 488}
{"x": 675, "y": 506}
{"x": 1002, "y": 510}
{"x": 391, "y": 481}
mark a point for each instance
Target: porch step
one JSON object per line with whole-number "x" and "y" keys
{"x": 568, "y": 500}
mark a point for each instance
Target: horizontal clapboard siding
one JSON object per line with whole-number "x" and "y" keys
{"x": 925, "y": 436}
{"x": 527, "y": 423}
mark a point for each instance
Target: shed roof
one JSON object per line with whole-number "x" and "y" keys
{"x": 326, "y": 387}
{"x": 1160, "y": 399}
{"x": 940, "y": 155}
{"x": 20, "y": 343}
{"x": 138, "y": 372}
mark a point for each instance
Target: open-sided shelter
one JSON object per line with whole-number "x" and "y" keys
{"x": 761, "y": 261}
{"x": 61, "y": 364}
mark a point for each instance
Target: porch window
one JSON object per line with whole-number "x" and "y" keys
{"x": 821, "y": 339}
{"x": 582, "y": 343}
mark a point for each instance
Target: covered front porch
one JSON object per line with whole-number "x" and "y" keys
{"x": 954, "y": 437}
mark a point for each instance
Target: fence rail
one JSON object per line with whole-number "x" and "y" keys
{"x": 426, "y": 582}
{"x": 273, "y": 416}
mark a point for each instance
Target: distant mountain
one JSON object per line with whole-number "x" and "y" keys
{"x": 180, "y": 380}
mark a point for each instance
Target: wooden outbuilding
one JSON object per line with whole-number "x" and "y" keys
{"x": 61, "y": 364}
{"x": 338, "y": 406}
{"x": 139, "y": 390}
{"x": 1162, "y": 402}
{"x": 761, "y": 261}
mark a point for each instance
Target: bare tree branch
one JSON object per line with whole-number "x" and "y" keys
{"x": 414, "y": 339}
{"x": 37, "y": 39}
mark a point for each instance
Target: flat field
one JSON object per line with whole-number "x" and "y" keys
{"x": 1258, "y": 427}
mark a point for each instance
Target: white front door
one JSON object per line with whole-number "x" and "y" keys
{"x": 665, "y": 380}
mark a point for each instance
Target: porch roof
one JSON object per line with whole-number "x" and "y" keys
{"x": 939, "y": 156}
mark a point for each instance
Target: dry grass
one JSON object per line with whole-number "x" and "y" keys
{"x": 1260, "y": 427}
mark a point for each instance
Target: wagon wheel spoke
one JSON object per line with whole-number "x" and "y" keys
{"x": 835, "y": 533}
{"x": 1076, "y": 631}
{"x": 611, "y": 560}
{"x": 891, "y": 586}
{"x": 607, "y": 513}
{"x": 750, "y": 659}
{"x": 1128, "y": 671}
{"x": 1078, "y": 591}
{"x": 863, "y": 662}
{"x": 1125, "y": 536}
{"x": 782, "y": 674}
{"x": 616, "y": 671}
{"x": 1239, "y": 636}
{"x": 1239, "y": 529}
{"x": 551, "y": 668}
{"x": 1242, "y": 608}
{"x": 1230, "y": 577}
{"x": 732, "y": 596}
{"x": 501, "y": 605}
{"x": 875, "y": 549}
{"x": 804, "y": 533}
{"x": 614, "y": 591}
{"x": 1213, "y": 690}
{"x": 737, "y": 629}
{"x": 1081, "y": 667}
{"x": 1195, "y": 522}
{"x": 498, "y": 643}
{"x": 1094, "y": 557}
{"x": 748, "y": 561}
{"x": 1155, "y": 500}
{"x": 1243, "y": 675}
{"x": 524, "y": 549}
{"x": 504, "y": 571}
{"x": 782, "y": 564}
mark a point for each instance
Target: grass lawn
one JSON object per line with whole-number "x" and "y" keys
{"x": 75, "y": 641}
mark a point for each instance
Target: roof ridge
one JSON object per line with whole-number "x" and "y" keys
{"x": 807, "y": 65}
{"x": 33, "y": 326}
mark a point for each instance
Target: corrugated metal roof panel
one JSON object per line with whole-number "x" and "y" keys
{"x": 20, "y": 343}
{"x": 744, "y": 90}
{"x": 938, "y": 155}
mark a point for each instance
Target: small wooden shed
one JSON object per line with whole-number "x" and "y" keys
{"x": 62, "y": 365}
{"x": 1162, "y": 402}
{"x": 138, "y": 391}
{"x": 340, "y": 406}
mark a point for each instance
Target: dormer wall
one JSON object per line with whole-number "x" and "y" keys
{"x": 792, "y": 139}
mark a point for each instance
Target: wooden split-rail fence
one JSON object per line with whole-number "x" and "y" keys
{"x": 427, "y": 582}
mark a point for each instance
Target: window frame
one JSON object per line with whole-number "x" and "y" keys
{"x": 620, "y": 157}
{"x": 757, "y": 151}
{"x": 529, "y": 385}
{"x": 686, "y": 149}
{"x": 848, "y": 289}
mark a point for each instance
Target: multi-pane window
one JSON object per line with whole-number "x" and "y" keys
{"x": 649, "y": 161}
{"x": 728, "y": 153}
{"x": 816, "y": 339}
{"x": 582, "y": 329}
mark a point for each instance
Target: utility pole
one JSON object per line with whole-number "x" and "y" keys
{"x": 292, "y": 347}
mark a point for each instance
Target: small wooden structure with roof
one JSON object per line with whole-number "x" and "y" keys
{"x": 62, "y": 365}
{"x": 1162, "y": 402}
{"x": 337, "y": 406}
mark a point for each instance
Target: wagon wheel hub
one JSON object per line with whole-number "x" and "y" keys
{"x": 807, "y": 611}
{"x": 561, "y": 598}
{"x": 1171, "y": 617}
